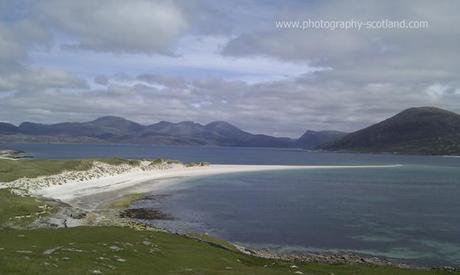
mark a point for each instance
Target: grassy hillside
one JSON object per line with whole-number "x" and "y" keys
{"x": 423, "y": 130}
{"x": 314, "y": 139}
{"x": 115, "y": 250}
{"x": 12, "y": 206}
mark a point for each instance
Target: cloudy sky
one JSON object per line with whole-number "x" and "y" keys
{"x": 205, "y": 60}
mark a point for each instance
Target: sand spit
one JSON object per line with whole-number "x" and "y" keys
{"x": 32, "y": 186}
{"x": 102, "y": 178}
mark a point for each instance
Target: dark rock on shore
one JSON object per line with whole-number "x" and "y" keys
{"x": 323, "y": 258}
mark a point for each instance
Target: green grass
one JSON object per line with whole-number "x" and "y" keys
{"x": 14, "y": 169}
{"x": 117, "y": 250}
{"x": 12, "y": 206}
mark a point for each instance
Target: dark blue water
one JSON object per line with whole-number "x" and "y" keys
{"x": 221, "y": 155}
{"x": 409, "y": 213}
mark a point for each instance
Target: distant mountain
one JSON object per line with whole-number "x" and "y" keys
{"x": 313, "y": 139}
{"x": 104, "y": 128}
{"x": 6, "y": 128}
{"x": 423, "y": 130}
{"x": 111, "y": 129}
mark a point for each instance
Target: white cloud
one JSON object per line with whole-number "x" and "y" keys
{"x": 197, "y": 56}
{"x": 202, "y": 60}
{"x": 287, "y": 107}
{"x": 379, "y": 55}
{"x": 117, "y": 26}
{"x": 16, "y": 38}
{"x": 437, "y": 91}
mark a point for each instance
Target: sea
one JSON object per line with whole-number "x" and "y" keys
{"x": 408, "y": 213}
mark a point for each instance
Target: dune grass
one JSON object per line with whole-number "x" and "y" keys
{"x": 13, "y": 169}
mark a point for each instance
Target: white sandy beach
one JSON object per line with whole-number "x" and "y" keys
{"x": 72, "y": 191}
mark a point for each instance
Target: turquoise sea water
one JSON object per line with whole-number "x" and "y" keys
{"x": 409, "y": 213}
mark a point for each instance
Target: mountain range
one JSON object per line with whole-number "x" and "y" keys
{"x": 422, "y": 130}
{"x": 111, "y": 129}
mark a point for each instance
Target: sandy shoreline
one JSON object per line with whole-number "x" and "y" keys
{"x": 94, "y": 196}
{"x": 157, "y": 179}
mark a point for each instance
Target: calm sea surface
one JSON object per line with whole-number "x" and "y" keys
{"x": 409, "y": 213}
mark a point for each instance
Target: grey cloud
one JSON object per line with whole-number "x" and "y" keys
{"x": 118, "y": 26}
{"x": 371, "y": 74}
{"x": 169, "y": 81}
{"x": 376, "y": 73}
{"x": 138, "y": 26}
{"x": 101, "y": 79}
{"x": 421, "y": 53}
{"x": 210, "y": 17}
{"x": 17, "y": 37}
{"x": 284, "y": 108}
{"x": 34, "y": 79}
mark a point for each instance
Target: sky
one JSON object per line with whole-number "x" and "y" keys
{"x": 205, "y": 60}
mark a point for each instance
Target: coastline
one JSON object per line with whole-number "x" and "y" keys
{"x": 79, "y": 200}
{"x": 98, "y": 195}
{"x": 154, "y": 180}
